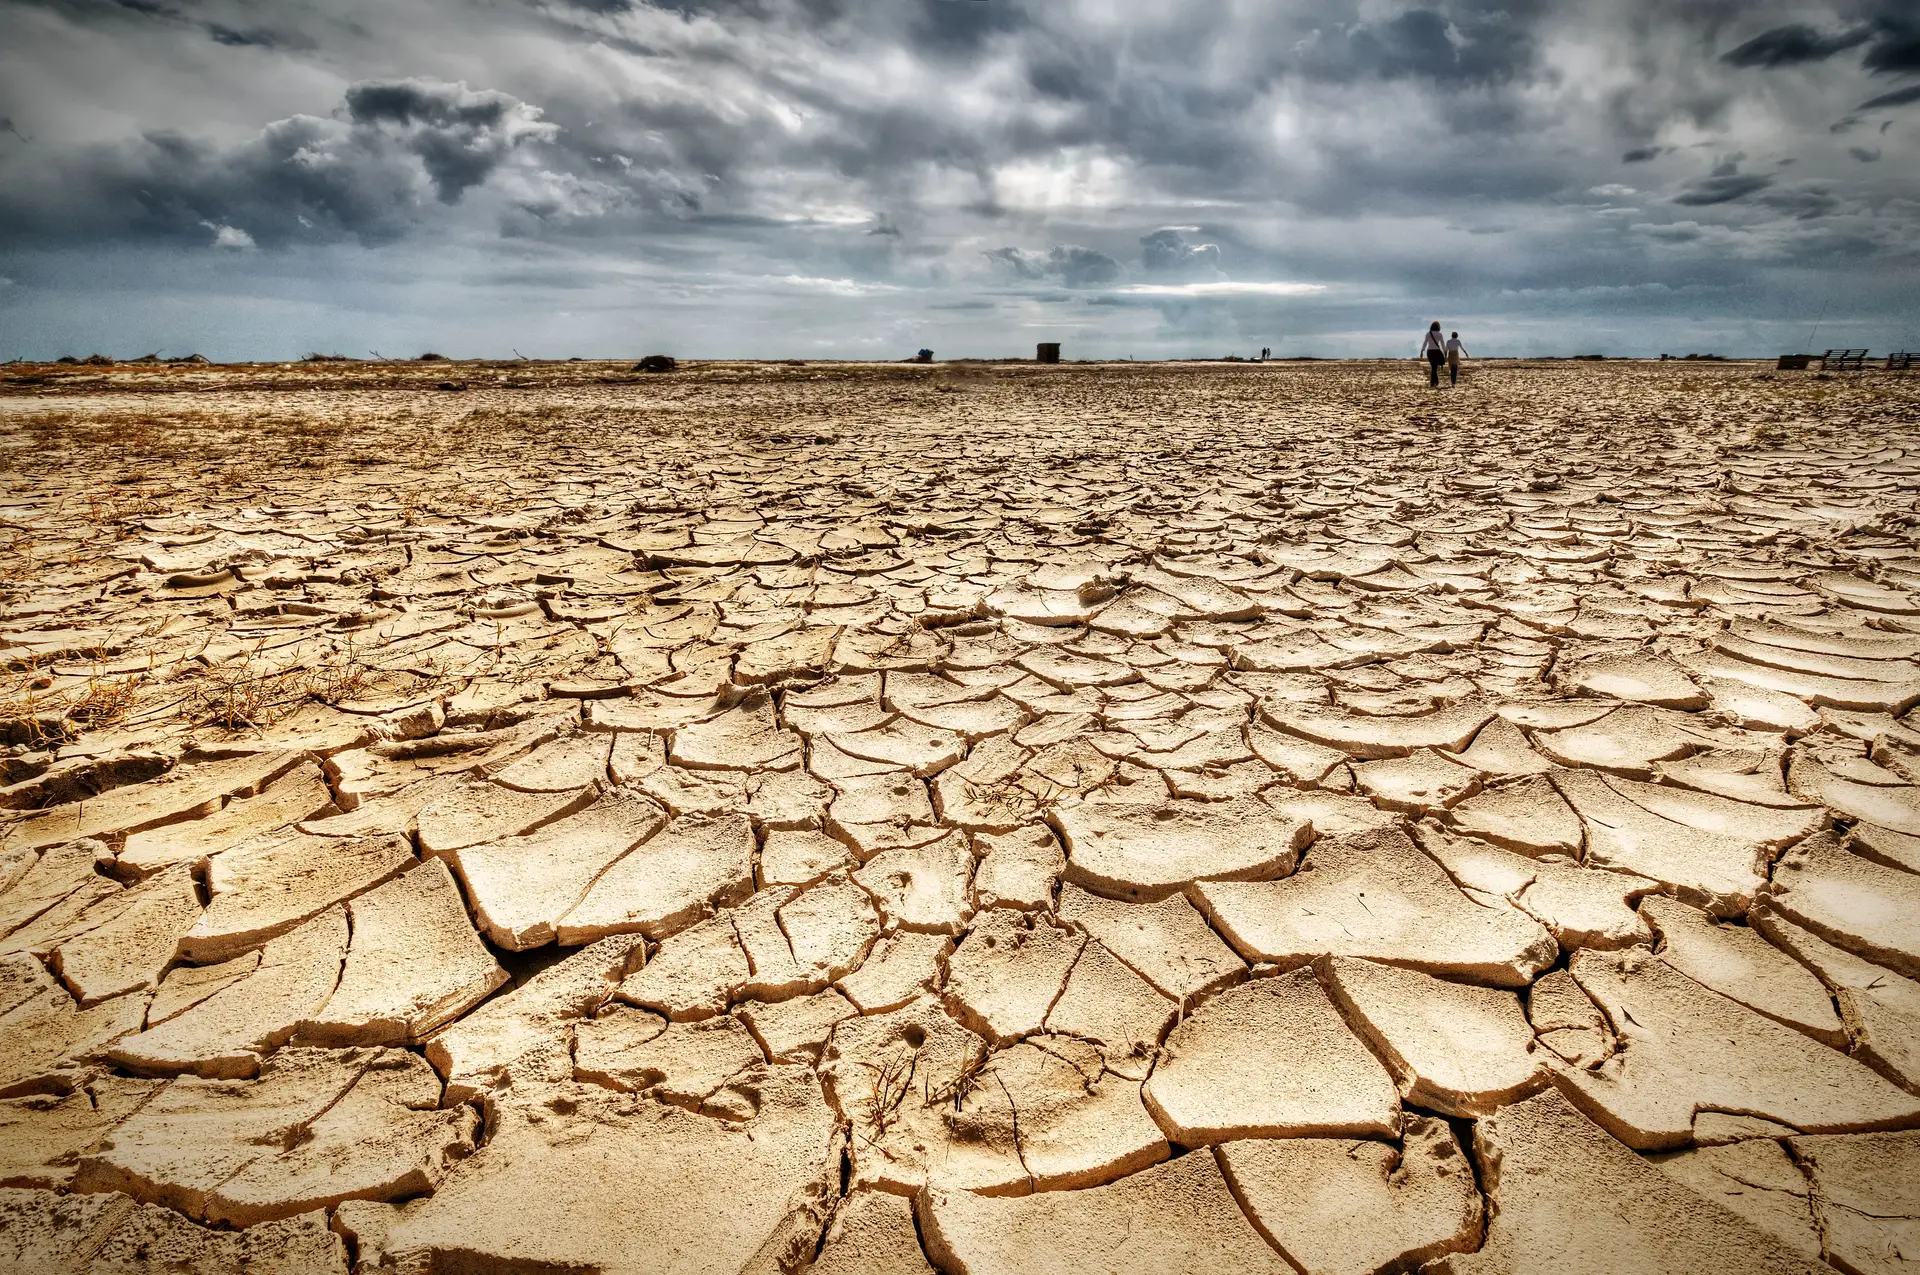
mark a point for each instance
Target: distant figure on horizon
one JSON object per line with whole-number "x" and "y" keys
{"x": 1434, "y": 347}
{"x": 1455, "y": 352}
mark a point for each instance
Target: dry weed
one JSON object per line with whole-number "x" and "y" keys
{"x": 236, "y": 696}
{"x": 963, "y": 1082}
{"x": 891, "y": 1084}
{"x": 105, "y": 700}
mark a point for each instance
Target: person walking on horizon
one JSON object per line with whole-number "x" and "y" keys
{"x": 1434, "y": 347}
{"x": 1455, "y": 352}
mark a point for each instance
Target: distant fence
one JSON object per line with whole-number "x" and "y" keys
{"x": 1843, "y": 361}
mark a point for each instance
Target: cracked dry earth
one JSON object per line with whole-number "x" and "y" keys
{"x": 869, "y": 820}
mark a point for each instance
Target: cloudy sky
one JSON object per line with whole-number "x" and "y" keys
{"x": 860, "y": 178}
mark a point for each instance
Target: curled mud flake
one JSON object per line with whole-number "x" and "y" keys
{"x": 1865, "y": 907}
{"x": 1376, "y": 896}
{"x": 1336, "y": 1206}
{"x": 1180, "y": 1215}
{"x": 1322, "y": 1081}
{"x": 1146, "y": 853}
{"x": 1562, "y": 1187}
{"x": 1451, "y": 1048}
{"x": 1686, "y": 1049}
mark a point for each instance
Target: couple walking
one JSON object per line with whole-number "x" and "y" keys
{"x": 1438, "y": 350}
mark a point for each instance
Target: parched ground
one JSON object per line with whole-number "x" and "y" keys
{"x": 543, "y": 817}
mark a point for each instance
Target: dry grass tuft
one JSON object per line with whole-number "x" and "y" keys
{"x": 105, "y": 701}
{"x": 241, "y": 695}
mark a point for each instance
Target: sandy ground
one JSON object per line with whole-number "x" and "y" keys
{"x": 547, "y": 817}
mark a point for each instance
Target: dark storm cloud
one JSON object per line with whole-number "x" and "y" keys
{"x": 1899, "y": 97}
{"x": 1794, "y": 43}
{"x": 240, "y": 39}
{"x": 1167, "y": 252}
{"x": 1452, "y": 43}
{"x": 458, "y": 135}
{"x": 1082, "y": 267}
{"x": 705, "y": 151}
{"x": 1063, "y": 71}
{"x": 960, "y": 27}
{"x": 1688, "y": 232}
{"x": 1023, "y": 265}
{"x": 1803, "y": 202}
{"x": 738, "y": 163}
{"x": 142, "y": 8}
{"x": 1072, "y": 265}
{"x": 402, "y": 146}
{"x": 1723, "y": 189}
{"x": 1896, "y": 39}
{"x": 1891, "y": 37}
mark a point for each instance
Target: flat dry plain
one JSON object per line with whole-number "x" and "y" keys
{"x": 1132, "y": 818}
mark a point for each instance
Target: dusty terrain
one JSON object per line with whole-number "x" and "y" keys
{"x": 1004, "y": 819}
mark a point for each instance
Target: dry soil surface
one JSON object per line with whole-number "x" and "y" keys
{"x": 523, "y": 818}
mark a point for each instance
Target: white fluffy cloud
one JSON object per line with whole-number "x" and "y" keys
{"x": 229, "y": 236}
